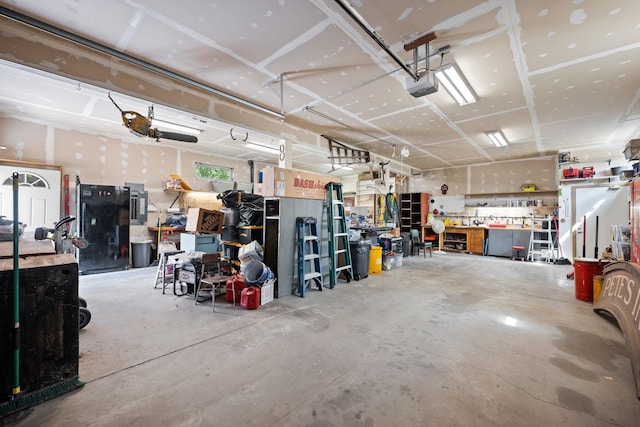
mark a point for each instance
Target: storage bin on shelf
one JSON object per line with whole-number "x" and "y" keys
{"x": 571, "y": 173}
{"x": 230, "y": 250}
{"x": 250, "y": 252}
{"x": 249, "y": 233}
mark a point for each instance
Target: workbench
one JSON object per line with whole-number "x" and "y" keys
{"x": 467, "y": 239}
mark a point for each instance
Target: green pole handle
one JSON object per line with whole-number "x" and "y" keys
{"x": 16, "y": 288}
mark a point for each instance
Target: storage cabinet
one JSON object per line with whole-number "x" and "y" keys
{"x": 280, "y": 240}
{"x": 464, "y": 239}
{"x": 475, "y": 240}
{"x": 414, "y": 208}
{"x": 501, "y": 241}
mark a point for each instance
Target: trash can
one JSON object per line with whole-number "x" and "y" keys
{"x": 584, "y": 270}
{"x": 406, "y": 243}
{"x": 141, "y": 253}
{"x": 375, "y": 260}
{"x": 360, "y": 258}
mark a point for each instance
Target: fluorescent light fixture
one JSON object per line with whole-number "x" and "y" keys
{"x": 456, "y": 85}
{"x": 264, "y": 148}
{"x": 497, "y": 138}
{"x": 173, "y": 126}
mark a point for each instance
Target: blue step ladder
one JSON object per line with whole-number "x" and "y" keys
{"x": 339, "y": 251}
{"x": 309, "y": 270}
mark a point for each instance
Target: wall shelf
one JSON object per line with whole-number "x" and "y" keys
{"x": 595, "y": 178}
{"x": 513, "y": 193}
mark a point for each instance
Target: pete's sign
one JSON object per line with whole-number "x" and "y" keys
{"x": 620, "y": 297}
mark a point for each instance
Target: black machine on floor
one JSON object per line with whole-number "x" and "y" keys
{"x": 67, "y": 243}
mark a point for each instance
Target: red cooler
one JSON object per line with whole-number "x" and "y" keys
{"x": 584, "y": 270}
{"x": 250, "y": 298}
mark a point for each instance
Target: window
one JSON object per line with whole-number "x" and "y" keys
{"x": 213, "y": 172}
{"x": 28, "y": 179}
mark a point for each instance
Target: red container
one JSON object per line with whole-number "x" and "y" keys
{"x": 588, "y": 172}
{"x": 250, "y": 298}
{"x": 570, "y": 173}
{"x": 235, "y": 283}
{"x": 584, "y": 270}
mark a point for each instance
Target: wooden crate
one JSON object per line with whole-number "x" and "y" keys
{"x": 204, "y": 221}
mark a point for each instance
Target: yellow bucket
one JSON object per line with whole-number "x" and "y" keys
{"x": 375, "y": 260}
{"x": 597, "y": 286}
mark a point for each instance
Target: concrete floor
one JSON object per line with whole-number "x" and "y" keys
{"x": 424, "y": 345}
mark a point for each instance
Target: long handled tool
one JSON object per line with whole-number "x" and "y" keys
{"x": 584, "y": 236}
{"x": 16, "y": 291}
{"x": 596, "y": 249}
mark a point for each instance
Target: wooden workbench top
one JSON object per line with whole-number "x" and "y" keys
{"x": 27, "y": 247}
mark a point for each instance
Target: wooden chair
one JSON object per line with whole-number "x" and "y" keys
{"x": 211, "y": 277}
{"x": 417, "y": 244}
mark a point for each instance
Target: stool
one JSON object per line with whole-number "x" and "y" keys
{"x": 517, "y": 250}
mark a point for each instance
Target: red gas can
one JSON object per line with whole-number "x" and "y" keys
{"x": 235, "y": 283}
{"x": 250, "y": 298}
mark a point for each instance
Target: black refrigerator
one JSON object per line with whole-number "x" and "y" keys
{"x": 103, "y": 221}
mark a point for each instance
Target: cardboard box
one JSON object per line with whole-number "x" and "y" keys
{"x": 280, "y": 182}
{"x": 204, "y": 221}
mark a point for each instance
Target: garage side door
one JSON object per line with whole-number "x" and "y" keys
{"x": 38, "y": 195}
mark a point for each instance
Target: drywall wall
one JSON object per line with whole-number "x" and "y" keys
{"x": 97, "y": 159}
{"x": 497, "y": 177}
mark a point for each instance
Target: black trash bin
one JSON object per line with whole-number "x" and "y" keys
{"x": 406, "y": 243}
{"x": 141, "y": 253}
{"x": 360, "y": 258}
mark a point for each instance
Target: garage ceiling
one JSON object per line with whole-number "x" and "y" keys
{"x": 552, "y": 75}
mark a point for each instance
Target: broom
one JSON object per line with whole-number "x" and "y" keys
{"x": 18, "y": 400}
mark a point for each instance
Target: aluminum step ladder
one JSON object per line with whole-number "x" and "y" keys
{"x": 339, "y": 251}
{"x": 309, "y": 269}
{"x": 542, "y": 242}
